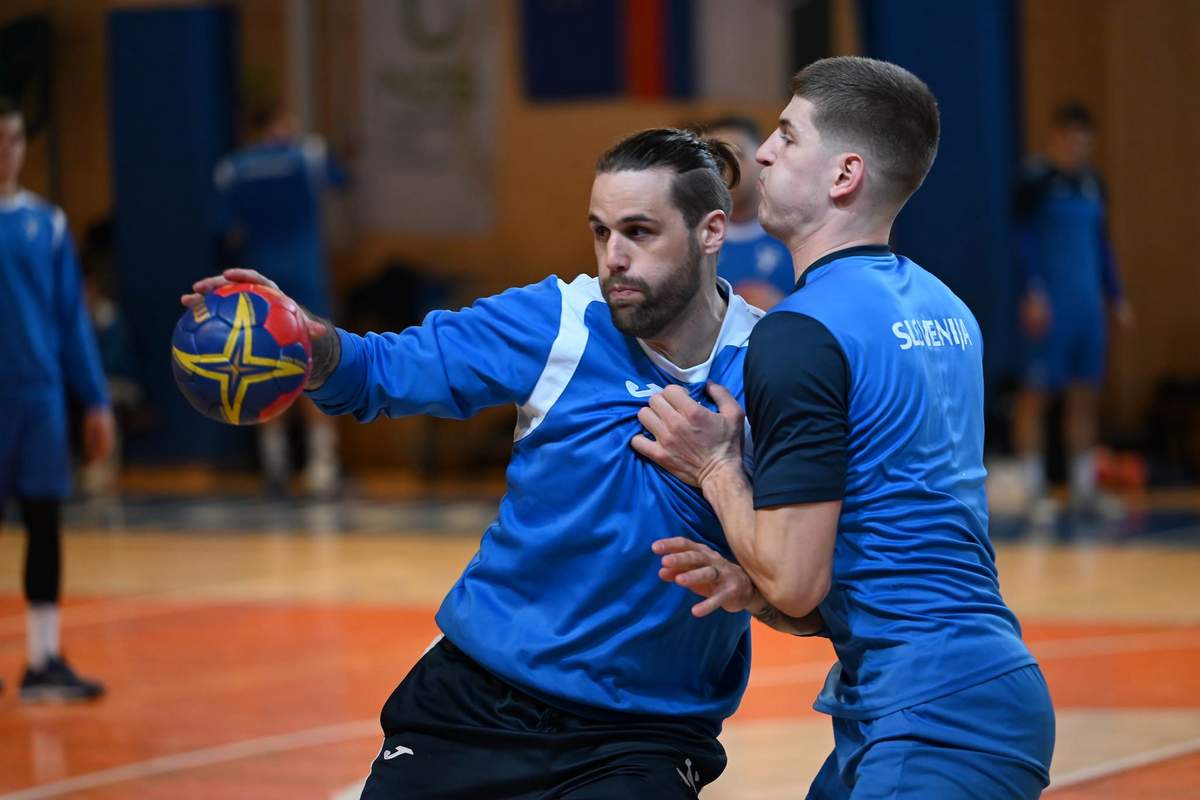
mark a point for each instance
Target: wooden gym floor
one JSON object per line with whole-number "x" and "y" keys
{"x": 248, "y": 646}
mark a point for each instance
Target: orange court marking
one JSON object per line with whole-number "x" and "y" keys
{"x": 277, "y": 699}
{"x": 1170, "y": 779}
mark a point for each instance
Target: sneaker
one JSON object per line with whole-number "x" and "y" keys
{"x": 56, "y": 681}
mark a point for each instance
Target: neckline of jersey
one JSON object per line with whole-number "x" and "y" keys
{"x": 837, "y": 255}
{"x": 19, "y": 199}
{"x": 733, "y": 330}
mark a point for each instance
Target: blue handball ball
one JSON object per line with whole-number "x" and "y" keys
{"x": 243, "y": 355}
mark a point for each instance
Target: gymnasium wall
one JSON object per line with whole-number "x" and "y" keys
{"x": 81, "y": 91}
{"x": 958, "y": 225}
{"x": 547, "y": 154}
{"x": 546, "y": 158}
{"x": 80, "y": 97}
{"x": 1134, "y": 63}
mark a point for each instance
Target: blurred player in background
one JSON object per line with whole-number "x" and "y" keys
{"x": 568, "y": 669}
{"x": 757, "y": 264}
{"x": 269, "y": 209}
{"x": 1070, "y": 283}
{"x": 867, "y": 517}
{"x": 46, "y": 348}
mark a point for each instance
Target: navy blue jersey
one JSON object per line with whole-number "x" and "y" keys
{"x": 1063, "y": 243}
{"x": 563, "y": 597}
{"x": 865, "y": 385}
{"x": 269, "y": 195}
{"x": 752, "y": 254}
{"x": 46, "y": 339}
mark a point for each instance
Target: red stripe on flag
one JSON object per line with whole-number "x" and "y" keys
{"x": 644, "y": 50}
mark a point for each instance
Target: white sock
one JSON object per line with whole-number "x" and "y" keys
{"x": 322, "y": 446}
{"x": 1083, "y": 474}
{"x": 273, "y": 452}
{"x": 1033, "y": 475}
{"x": 41, "y": 630}
{"x": 321, "y": 471}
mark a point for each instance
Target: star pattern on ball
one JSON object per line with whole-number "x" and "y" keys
{"x": 236, "y": 368}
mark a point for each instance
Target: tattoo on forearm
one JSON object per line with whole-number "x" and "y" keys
{"x": 772, "y": 617}
{"x": 326, "y": 354}
{"x": 769, "y": 615}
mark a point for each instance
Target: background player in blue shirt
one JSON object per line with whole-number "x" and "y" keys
{"x": 1070, "y": 284}
{"x": 756, "y": 263}
{"x": 269, "y": 206}
{"x": 867, "y": 515}
{"x": 46, "y": 348}
{"x": 567, "y": 668}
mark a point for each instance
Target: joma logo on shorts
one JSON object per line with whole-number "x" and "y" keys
{"x": 689, "y": 776}
{"x": 400, "y": 750}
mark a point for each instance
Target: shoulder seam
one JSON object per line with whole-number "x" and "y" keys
{"x": 58, "y": 221}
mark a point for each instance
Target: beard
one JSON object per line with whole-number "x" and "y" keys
{"x": 659, "y": 305}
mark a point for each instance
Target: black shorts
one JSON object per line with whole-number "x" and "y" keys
{"x": 454, "y": 730}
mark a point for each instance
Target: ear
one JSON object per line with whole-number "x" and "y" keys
{"x": 712, "y": 231}
{"x": 851, "y": 177}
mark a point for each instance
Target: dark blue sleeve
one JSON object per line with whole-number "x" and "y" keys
{"x": 797, "y": 400}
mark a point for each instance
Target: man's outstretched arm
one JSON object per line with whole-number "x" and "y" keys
{"x": 452, "y": 365}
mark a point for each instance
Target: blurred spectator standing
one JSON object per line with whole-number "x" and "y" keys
{"x": 46, "y": 349}
{"x": 1069, "y": 282}
{"x": 269, "y": 211}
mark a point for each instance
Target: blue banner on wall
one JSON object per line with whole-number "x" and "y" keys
{"x": 959, "y": 224}
{"x": 172, "y": 87}
{"x": 604, "y": 48}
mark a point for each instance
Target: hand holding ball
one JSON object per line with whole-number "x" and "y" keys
{"x": 241, "y": 353}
